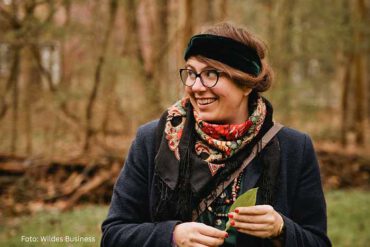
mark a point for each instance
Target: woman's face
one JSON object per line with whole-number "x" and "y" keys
{"x": 225, "y": 103}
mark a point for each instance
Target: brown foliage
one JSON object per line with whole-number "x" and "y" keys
{"x": 31, "y": 185}
{"x": 343, "y": 169}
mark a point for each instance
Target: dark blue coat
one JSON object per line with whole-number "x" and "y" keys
{"x": 300, "y": 197}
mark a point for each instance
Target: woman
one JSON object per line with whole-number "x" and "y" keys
{"x": 184, "y": 171}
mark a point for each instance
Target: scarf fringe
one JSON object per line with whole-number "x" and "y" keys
{"x": 180, "y": 202}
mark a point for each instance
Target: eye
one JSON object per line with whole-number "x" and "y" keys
{"x": 211, "y": 74}
{"x": 192, "y": 74}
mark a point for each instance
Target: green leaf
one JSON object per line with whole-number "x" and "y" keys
{"x": 247, "y": 199}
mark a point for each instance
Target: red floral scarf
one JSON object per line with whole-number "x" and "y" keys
{"x": 215, "y": 142}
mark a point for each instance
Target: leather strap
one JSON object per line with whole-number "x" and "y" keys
{"x": 220, "y": 188}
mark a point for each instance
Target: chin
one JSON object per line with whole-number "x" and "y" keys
{"x": 209, "y": 119}
{"x": 204, "y": 117}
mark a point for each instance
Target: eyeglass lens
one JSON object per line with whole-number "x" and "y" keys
{"x": 208, "y": 78}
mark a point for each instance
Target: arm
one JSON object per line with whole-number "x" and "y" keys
{"x": 307, "y": 223}
{"x": 128, "y": 222}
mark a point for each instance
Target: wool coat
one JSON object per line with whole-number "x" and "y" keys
{"x": 299, "y": 199}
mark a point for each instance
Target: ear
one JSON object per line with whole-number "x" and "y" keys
{"x": 247, "y": 91}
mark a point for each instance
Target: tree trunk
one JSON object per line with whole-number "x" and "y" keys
{"x": 153, "y": 40}
{"x": 33, "y": 79}
{"x": 130, "y": 43}
{"x": 204, "y": 12}
{"x": 14, "y": 76}
{"x": 186, "y": 24}
{"x": 160, "y": 45}
{"x": 223, "y": 10}
{"x": 282, "y": 51}
{"x": 110, "y": 106}
{"x": 113, "y": 6}
{"x": 4, "y": 105}
{"x": 186, "y": 29}
{"x": 360, "y": 73}
{"x": 146, "y": 37}
{"x": 344, "y": 102}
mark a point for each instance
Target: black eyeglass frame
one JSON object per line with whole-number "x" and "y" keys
{"x": 218, "y": 73}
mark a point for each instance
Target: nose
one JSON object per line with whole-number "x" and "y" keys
{"x": 198, "y": 85}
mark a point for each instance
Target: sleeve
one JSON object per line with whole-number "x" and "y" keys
{"x": 128, "y": 222}
{"x": 307, "y": 223}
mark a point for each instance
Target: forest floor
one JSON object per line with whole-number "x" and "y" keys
{"x": 348, "y": 223}
{"x": 65, "y": 199}
{"x": 66, "y": 182}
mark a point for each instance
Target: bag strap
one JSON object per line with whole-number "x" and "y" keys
{"x": 220, "y": 188}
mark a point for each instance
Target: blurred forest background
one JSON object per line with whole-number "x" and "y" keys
{"x": 78, "y": 77}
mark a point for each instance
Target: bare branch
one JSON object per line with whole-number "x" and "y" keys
{"x": 43, "y": 70}
{"x": 52, "y": 10}
{"x": 8, "y": 16}
{"x": 42, "y": 2}
{"x": 113, "y": 6}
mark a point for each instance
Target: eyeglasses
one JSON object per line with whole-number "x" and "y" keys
{"x": 208, "y": 78}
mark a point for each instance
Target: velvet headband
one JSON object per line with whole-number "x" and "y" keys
{"x": 225, "y": 50}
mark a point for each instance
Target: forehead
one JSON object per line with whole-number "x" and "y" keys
{"x": 196, "y": 64}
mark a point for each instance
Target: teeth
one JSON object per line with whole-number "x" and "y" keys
{"x": 205, "y": 101}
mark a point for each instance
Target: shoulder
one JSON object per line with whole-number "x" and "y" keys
{"x": 291, "y": 136}
{"x": 147, "y": 129}
{"x": 294, "y": 142}
{"x": 142, "y": 149}
{"x": 298, "y": 156}
{"x": 146, "y": 134}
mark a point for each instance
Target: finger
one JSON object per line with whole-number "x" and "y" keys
{"x": 250, "y": 218}
{"x": 253, "y": 227}
{"x": 197, "y": 245}
{"x": 254, "y": 210}
{"x": 208, "y": 241}
{"x": 200, "y": 245}
{"x": 261, "y": 234}
{"x": 212, "y": 232}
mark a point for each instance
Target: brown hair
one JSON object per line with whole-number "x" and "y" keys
{"x": 259, "y": 83}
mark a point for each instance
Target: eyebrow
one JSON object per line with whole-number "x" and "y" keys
{"x": 205, "y": 68}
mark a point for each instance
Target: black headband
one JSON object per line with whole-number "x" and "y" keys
{"x": 225, "y": 50}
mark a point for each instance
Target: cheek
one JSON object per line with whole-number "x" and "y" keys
{"x": 228, "y": 105}
{"x": 187, "y": 91}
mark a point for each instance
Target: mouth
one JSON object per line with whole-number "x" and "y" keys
{"x": 205, "y": 101}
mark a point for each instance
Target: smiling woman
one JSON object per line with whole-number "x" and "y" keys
{"x": 223, "y": 102}
{"x": 185, "y": 170}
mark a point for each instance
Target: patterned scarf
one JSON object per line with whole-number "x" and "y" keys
{"x": 216, "y": 143}
{"x": 194, "y": 156}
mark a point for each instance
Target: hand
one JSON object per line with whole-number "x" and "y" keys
{"x": 260, "y": 221}
{"x": 197, "y": 235}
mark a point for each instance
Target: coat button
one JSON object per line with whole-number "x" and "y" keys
{"x": 218, "y": 222}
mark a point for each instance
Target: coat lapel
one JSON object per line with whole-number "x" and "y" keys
{"x": 251, "y": 175}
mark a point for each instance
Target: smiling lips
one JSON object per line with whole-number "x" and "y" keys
{"x": 205, "y": 101}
